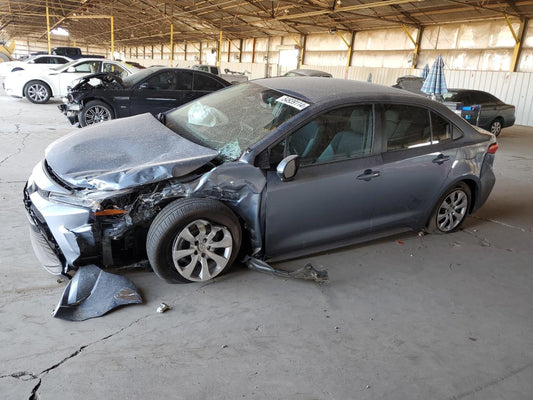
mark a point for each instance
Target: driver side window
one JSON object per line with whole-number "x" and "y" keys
{"x": 337, "y": 135}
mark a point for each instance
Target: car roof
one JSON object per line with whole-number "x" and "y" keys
{"x": 465, "y": 90}
{"x": 334, "y": 88}
{"x": 309, "y": 72}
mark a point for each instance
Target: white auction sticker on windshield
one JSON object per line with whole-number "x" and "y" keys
{"x": 291, "y": 101}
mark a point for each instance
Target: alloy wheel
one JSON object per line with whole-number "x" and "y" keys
{"x": 97, "y": 114}
{"x": 37, "y": 92}
{"x": 496, "y": 127}
{"x": 202, "y": 250}
{"x": 452, "y": 211}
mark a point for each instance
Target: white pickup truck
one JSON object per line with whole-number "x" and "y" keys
{"x": 231, "y": 76}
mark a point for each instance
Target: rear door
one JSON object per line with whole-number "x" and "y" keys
{"x": 490, "y": 107}
{"x": 418, "y": 154}
{"x": 203, "y": 84}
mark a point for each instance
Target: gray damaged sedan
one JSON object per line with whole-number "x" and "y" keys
{"x": 270, "y": 169}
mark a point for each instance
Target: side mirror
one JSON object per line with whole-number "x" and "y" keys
{"x": 288, "y": 167}
{"x": 143, "y": 85}
{"x": 71, "y": 69}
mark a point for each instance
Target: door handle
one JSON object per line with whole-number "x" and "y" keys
{"x": 440, "y": 159}
{"x": 368, "y": 174}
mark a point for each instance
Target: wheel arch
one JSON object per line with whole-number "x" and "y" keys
{"x": 473, "y": 185}
{"x": 105, "y": 101}
{"x": 37, "y": 80}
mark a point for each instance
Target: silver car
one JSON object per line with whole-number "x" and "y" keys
{"x": 269, "y": 169}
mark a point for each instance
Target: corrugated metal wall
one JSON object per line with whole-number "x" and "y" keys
{"x": 511, "y": 87}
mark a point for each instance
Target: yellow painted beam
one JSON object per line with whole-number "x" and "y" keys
{"x": 112, "y": 38}
{"x": 510, "y": 25}
{"x": 519, "y": 38}
{"x": 171, "y": 61}
{"x": 409, "y": 34}
{"x": 219, "y": 48}
{"x": 302, "y": 52}
{"x": 48, "y": 29}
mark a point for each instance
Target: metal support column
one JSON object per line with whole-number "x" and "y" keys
{"x": 518, "y": 38}
{"x": 112, "y": 38}
{"x": 415, "y": 42}
{"x": 302, "y": 52}
{"x": 253, "y": 51}
{"x": 171, "y": 61}
{"x": 219, "y": 48}
{"x": 48, "y": 28}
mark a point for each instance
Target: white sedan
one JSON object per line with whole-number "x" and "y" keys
{"x": 34, "y": 62}
{"x": 39, "y": 86}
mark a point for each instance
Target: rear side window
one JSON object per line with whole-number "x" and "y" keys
{"x": 184, "y": 80}
{"x": 406, "y": 127}
{"x": 44, "y": 60}
{"x": 441, "y": 129}
{"x": 206, "y": 83}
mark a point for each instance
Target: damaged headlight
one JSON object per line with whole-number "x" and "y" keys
{"x": 75, "y": 201}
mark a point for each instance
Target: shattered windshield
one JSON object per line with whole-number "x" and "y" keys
{"x": 133, "y": 79}
{"x": 233, "y": 119}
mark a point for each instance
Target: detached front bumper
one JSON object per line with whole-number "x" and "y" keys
{"x": 59, "y": 231}
{"x": 72, "y": 111}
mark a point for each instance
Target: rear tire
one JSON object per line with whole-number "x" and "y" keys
{"x": 451, "y": 210}
{"x": 496, "y": 126}
{"x": 37, "y": 92}
{"x": 193, "y": 240}
{"x": 94, "y": 112}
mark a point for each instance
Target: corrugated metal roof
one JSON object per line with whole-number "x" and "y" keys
{"x": 147, "y": 22}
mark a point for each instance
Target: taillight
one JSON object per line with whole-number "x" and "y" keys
{"x": 493, "y": 148}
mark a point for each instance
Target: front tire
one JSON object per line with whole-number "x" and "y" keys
{"x": 37, "y": 92}
{"x": 193, "y": 240}
{"x": 496, "y": 126}
{"x": 95, "y": 112}
{"x": 452, "y": 209}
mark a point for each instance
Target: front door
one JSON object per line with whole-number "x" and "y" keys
{"x": 331, "y": 198}
{"x": 161, "y": 92}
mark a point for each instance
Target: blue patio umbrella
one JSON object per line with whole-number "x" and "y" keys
{"x": 435, "y": 83}
{"x": 425, "y": 71}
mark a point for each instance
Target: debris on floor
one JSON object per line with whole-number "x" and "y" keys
{"x": 307, "y": 272}
{"x": 93, "y": 292}
{"x": 163, "y": 307}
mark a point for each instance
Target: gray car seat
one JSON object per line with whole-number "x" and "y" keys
{"x": 347, "y": 143}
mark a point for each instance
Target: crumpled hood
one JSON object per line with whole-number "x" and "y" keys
{"x": 124, "y": 153}
{"x": 104, "y": 79}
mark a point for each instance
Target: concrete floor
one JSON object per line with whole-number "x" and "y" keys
{"x": 407, "y": 317}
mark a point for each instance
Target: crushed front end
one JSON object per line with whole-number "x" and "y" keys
{"x": 59, "y": 230}
{"x": 83, "y": 89}
{"x": 73, "y": 227}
